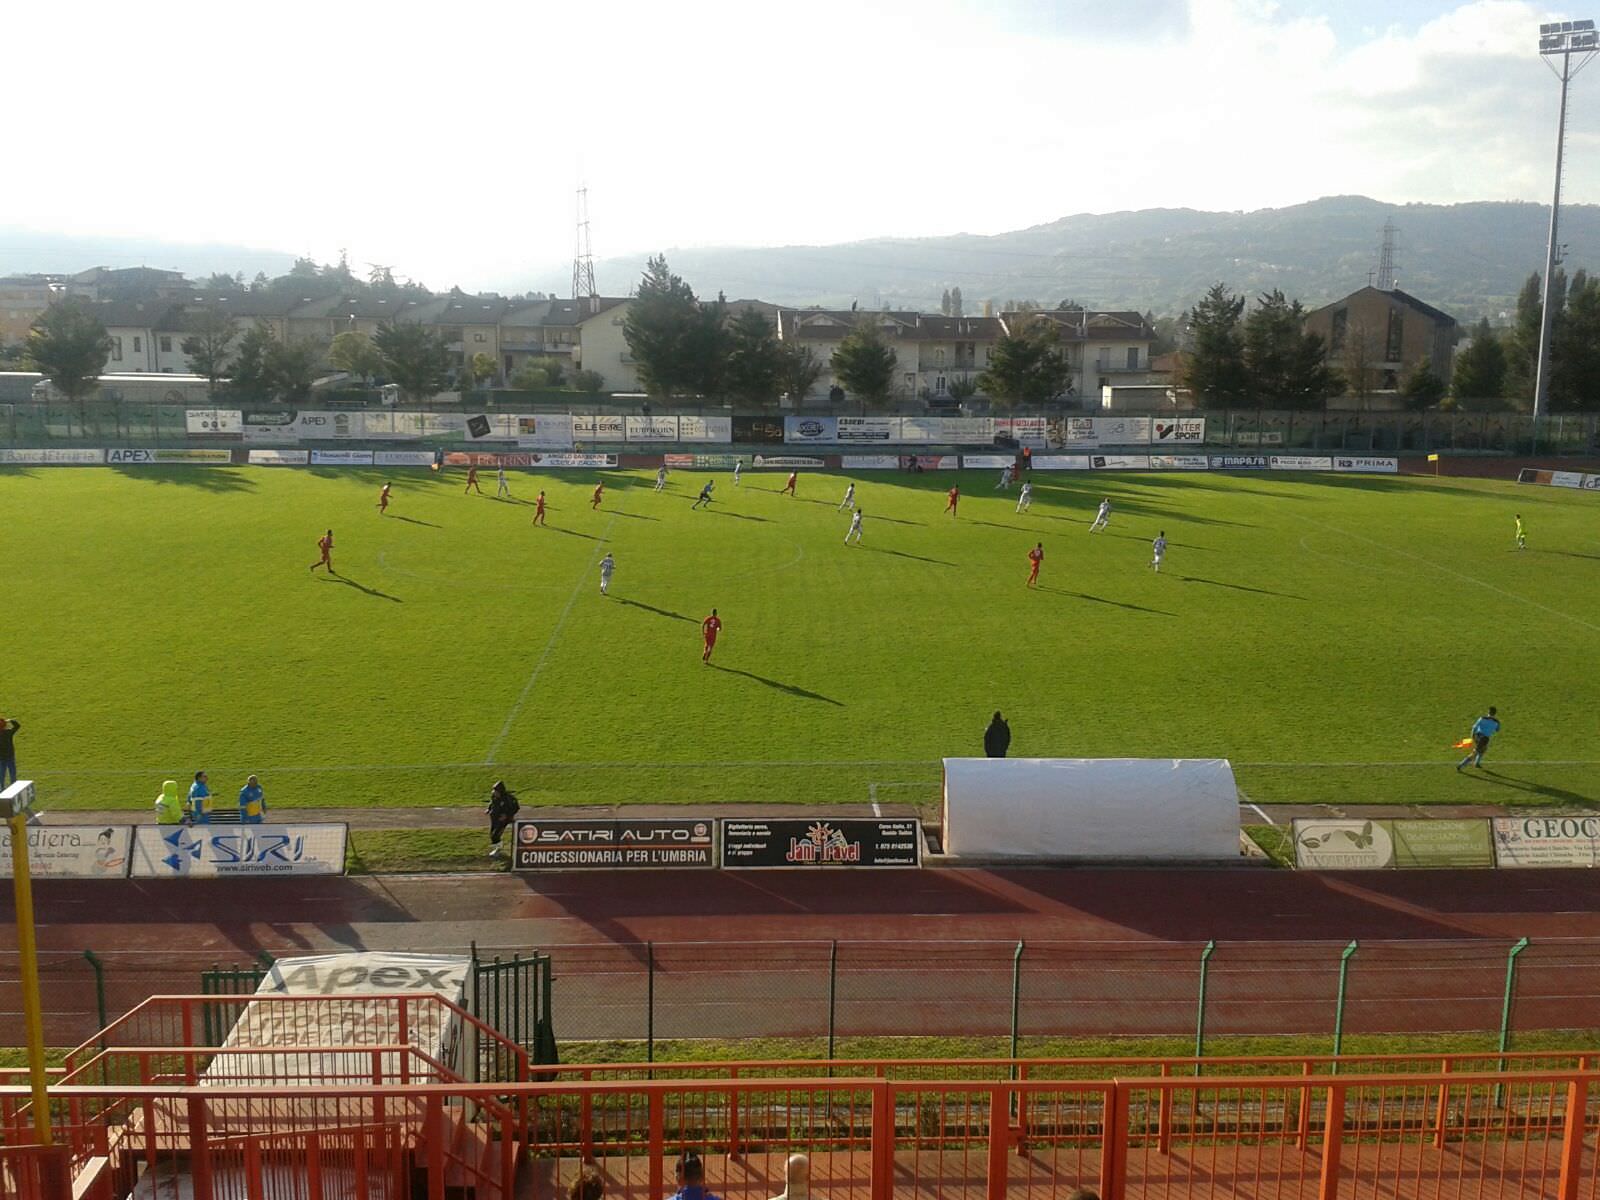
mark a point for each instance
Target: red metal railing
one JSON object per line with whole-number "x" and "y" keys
{"x": 270, "y": 1022}
{"x": 1461, "y": 1134}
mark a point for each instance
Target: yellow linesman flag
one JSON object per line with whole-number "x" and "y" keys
{"x": 1433, "y": 458}
{"x": 1463, "y": 743}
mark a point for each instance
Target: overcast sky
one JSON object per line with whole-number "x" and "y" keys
{"x": 447, "y": 141}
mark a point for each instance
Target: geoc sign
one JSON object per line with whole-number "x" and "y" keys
{"x": 581, "y": 844}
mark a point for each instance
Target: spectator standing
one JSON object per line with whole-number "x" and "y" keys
{"x": 796, "y": 1179}
{"x": 252, "y": 803}
{"x": 199, "y": 793}
{"x": 691, "y": 1173}
{"x": 997, "y": 738}
{"x": 8, "y": 751}
{"x": 169, "y": 804}
{"x": 502, "y": 811}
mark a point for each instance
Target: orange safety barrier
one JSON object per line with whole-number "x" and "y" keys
{"x": 1456, "y": 1134}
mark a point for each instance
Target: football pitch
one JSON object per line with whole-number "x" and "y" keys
{"x": 1332, "y": 635}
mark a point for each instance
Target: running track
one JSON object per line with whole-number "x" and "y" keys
{"x": 1110, "y": 950}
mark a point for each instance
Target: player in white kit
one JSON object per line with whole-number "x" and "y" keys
{"x": 855, "y": 527}
{"x": 1005, "y": 479}
{"x": 501, "y": 487}
{"x": 607, "y": 565}
{"x": 1158, "y": 551}
{"x": 738, "y": 465}
{"x": 1103, "y": 517}
{"x": 849, "y": 497}
{"x": 1025, "y": 500}
{"x": 661, "y": 478}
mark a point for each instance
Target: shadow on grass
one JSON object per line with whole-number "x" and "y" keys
{"x": 415, "y": 521}
{"x": 1239, "y": 587}
{"x": 998, "y": 525}
{"x": 660, "y": 612}
{"x": 207, "y": 479}
{"x": 790, "y": 688}
{"x": 722, "y": 512}
{"x": 939, "y": 562}
{"x": 571, "y": 532}
{"x": 1134, "y": 537}
{"x": 1160, "y": 612}
{"x": 1486, "y": 775}
{"x": 360, "y": 587}
{"x": 617, "y": 512}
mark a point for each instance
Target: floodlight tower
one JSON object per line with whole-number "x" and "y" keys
{"x": 1574, "y": 43}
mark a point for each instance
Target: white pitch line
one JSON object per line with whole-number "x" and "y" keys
{"x": 538, "y": 667}
{"x": 1428, "y": 562}
{"x": 1259, "y": 812}
{"x": 872, "y": 795}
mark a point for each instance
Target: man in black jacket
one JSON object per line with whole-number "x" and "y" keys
{"x": 8, "y": 751}
{"x": 997, "y": 738}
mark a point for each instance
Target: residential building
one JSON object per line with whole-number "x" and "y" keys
{"x": 1104, "y": 348}
{"x": 23, "y": 299}
{"x": 470, "y": 326}
{"x": 598, "y": 341}
{"x": 1376, "y": 338}
{"x": 127, "y": 283}
{"x": 132, "y": 327}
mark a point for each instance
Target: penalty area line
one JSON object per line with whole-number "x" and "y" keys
{"x": 538, "y": 667}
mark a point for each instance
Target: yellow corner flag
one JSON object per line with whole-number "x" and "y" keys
{"x": 1433, "y": 458}
{"x": 1463, "y": 743}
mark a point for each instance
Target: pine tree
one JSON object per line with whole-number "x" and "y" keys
{"x": 414, "y": 358}
{"x": 1423, "y": 388}
{"x": 865, "y": 363}
{"x": 1026, "y": 364}
{"x": 1285, "y": 365}
{"x": 955, "y": 302}
{"x": 70, "y": 347}
{"x": 1215, "y": 369}
{"x": 1480, "y": 369}
{"x": 944, "y": 303}
{"x": 666, "y": 331}
{"x": 755, "y": 364}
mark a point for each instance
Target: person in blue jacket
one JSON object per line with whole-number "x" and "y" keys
{"x": 252, "y": 803}
{"x": 692, "y": 1178}
{"x": 1484, "y": 728}
{"x": 199, "y": 793}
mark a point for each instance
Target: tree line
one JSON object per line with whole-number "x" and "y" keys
{"x": 69, "y": 345}
{"x": 685, "y": 346}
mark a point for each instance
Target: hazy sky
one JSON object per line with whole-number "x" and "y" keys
{"x": 447, "y": 141}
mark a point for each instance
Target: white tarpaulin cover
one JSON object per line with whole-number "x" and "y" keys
{"x": 344, "y": 1017}
{"x": 1154, "y": 809}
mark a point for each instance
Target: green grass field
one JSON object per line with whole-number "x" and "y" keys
{"x": 1331, "y": 635}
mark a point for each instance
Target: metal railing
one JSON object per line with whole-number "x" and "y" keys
{"x": 1468, "y": 1135}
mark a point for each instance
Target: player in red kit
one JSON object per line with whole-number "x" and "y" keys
{"x": 383, "y": 500}
{"x": 472, "y": 482}
{"x": 710, "y": 627}
{"x": 1035, "y": 557}
{"x": 538, "y": 513}
{"x": 954, "y": 499}
{"x": 789, "y": 486}
{"x": 325, "y": 544}
{"x": 599, "y": 489}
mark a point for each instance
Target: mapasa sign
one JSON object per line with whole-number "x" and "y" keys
{"x": 209, "y": 851}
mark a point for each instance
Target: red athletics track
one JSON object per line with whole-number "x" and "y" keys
{"x": 1077, "y": 904}
{"x": 1108, "y": 950}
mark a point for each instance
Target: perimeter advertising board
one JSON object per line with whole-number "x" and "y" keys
{"x": 1302, "y": 462}
{"x": 705, "y": 429}
{"x": 1330, "y": 845}
{"x": 1060, "y": 462}
{"x": 810, "y": 429}
{"x": 988, "y": 462}
{"x": 543, "y": 431}
{"x": 1190, "y": 430}
{"x": 1570, "y": 841}
{"x": 279, "y": 458}
{"x": 213, "y": 422}
{"x": 702, "y": 462}
{"x": 341, "y": 458}
{"x": 554, "y": 845}
{"x": 1119, "y": 462}
{"x": 1029, "y": 431}
{"x": 948, "y": 431}
{"x": 759, "y": 431}
{"x": 650, "y": 429}
{"x": 867, "y": 429}
{"x": 71, "y": 851}
{"x": 870, "y": 462}
{"x": 851, "y": 842}
{"x": 147, "y": 458}
{"x": 597, "y": 427}
{"x": 1367, "y": 465}
{"x": 208, "y": 851}
{"x": 65, "y": 457}
{"x": 1179, "y": 462}
{"x": 1239, "y": 462}
{"x": 1443, "y": 843}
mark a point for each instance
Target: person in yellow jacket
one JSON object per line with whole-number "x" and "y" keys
{"x": 169, "y": 804}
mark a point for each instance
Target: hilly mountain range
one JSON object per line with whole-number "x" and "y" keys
{"x": 1468, "y": 259}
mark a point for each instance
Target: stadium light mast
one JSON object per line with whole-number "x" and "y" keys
{"x": 1566, "y": 40}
